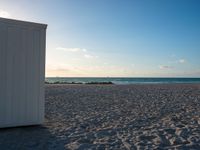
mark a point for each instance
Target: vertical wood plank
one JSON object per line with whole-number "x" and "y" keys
{"x": 23, "y": 106}
{"x": 37, "y": 72}
{"x": 17, "y": 74}
{"x": 42, "y": 75}
{"x": 3, "y": 39}
{"x": 9, "y": 74}
{"x": 29, "y": 74}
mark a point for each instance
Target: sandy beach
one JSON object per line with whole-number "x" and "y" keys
{"x": 162, "y": 116}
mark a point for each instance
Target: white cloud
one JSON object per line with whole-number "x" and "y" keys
{"x": 72, "y": 49}
{"x": 182, "y": 61}
{"x": 63, "y": 70}
{"x": 165, "y": 67}
{"x": 84, "y": 50}
{"x": 179, "y": 61}
{"x": 4, "y": 14}
{"x": 89, "y": 56}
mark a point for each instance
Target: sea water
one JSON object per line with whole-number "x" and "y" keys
{"x": 121, "y": 80}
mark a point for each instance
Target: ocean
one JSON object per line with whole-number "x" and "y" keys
{"x": 121, "y": 80}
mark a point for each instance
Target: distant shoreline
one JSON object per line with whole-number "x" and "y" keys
{"x": 119, "y": 81}
{"x": 79, "y": 83}
{"x": 111, "y": 83}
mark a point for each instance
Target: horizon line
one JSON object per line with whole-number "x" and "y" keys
{"x": 117, "y": 77}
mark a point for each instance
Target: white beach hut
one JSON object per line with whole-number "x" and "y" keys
{"x": 22, "y": 72}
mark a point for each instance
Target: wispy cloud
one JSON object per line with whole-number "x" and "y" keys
{"x": 82, "y": 51}
{"x": 165, "y": 67}
{"x": 90, "y": 56}
{"x": 182, "y": 61}
{"x": 4, "y": 14}
{"x": 178, "y": 61}
{"x": 72, "y": 49}
{"x": 63, "y": 70}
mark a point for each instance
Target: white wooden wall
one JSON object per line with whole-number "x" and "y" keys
{"x": 22, "y": 73}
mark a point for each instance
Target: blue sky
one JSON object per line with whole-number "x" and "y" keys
{"x": 128, "y": 38}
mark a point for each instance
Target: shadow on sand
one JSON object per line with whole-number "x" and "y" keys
{"x": 29, "y": 138}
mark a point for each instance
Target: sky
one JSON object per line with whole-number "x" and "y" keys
{"x": 116, "y": 38}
